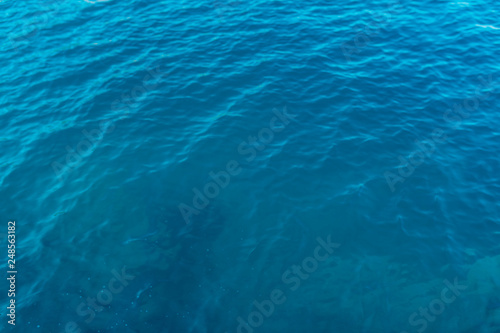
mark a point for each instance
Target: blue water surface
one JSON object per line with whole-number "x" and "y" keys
{"x": 265, "y": 166}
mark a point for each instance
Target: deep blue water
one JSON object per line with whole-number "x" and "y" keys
{"x": 265, "y": 166}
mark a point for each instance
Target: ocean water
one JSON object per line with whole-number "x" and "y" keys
{"x": 251, "y": 167}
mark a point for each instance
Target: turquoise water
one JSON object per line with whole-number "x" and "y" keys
{"x": 265, "y": 166}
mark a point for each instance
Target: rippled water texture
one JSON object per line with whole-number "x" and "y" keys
{"x": 251, "y": 167}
